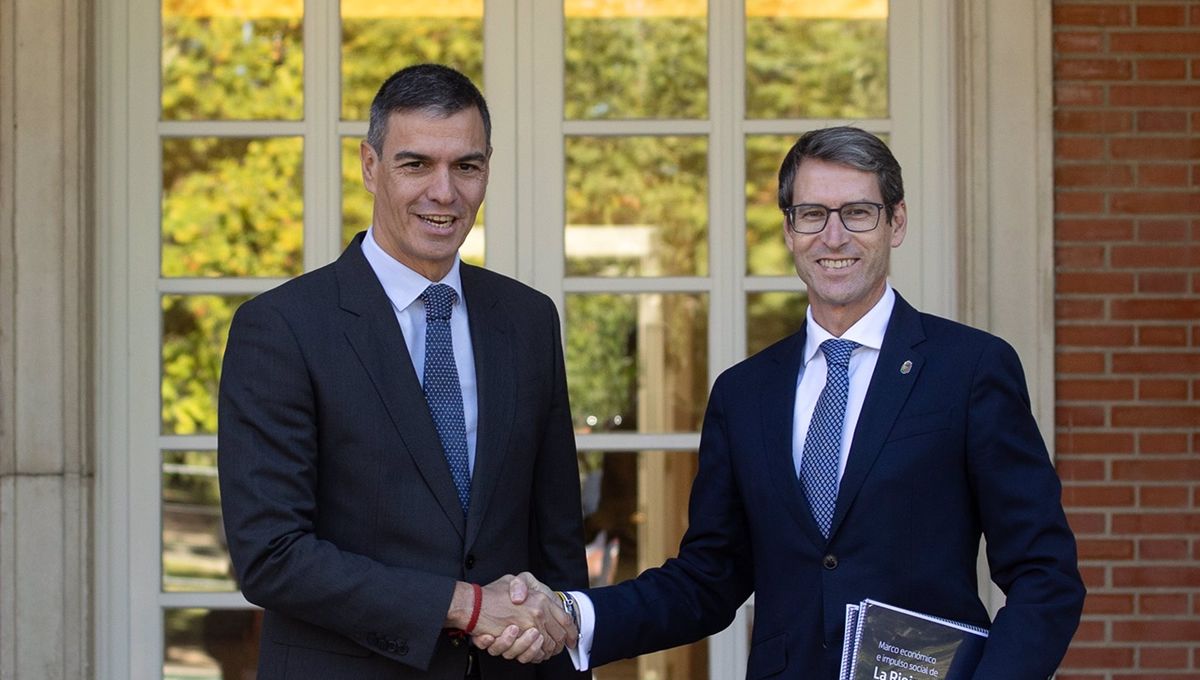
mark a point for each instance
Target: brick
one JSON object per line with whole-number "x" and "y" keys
{"x": 1079, "y": 416}
{"x": 1094, "y": 336}
{"x": 1108, "y": 603}
{"x": 1079, "y": 362}
{"x": 1080, "y": 470}
{"x": 1158, "y": 362}
{"x": 1162, "y": 121}
{"x": 1106, "y": 656}
{"x": 1066, "y": 42}
{"x": 1161, "y": 282}
{"x": 1086, "y": 523}
{"x": 1162, "y": 336}
{"x": 1093, "y": 69}
{"x": 1165, "y": 230}
{"x": 1093, "y": 175}
{"x": 1162, "y": 175}
{"x": 1156, "y": 203}
{"x": 1165, "y": 523}
{"x": 1097, "y": 229}
{"x": 1091, "y": 442}
{"x": 1165, "y": 603}
{"x": 1081, "y": 310}
{"x": 1161, "y": 470}
{"x": 1167, "y": 42}
{"x": 1154, "y": 443}
{"x": 1174, "y": 390}
{"x": 1093, "y": 282}
{"x": 1089, "y": 631}
{"x": 1145, "y": 257}
{"x": 1161, "y": 15}
{"x": 1195, "y": 16}
{"x": 1155, "y": 148}
{"x": 1163, "y": 657}
{"x": 1101, "y": 120}
{"x": 1075, "y": 94}
{"x": 1162, "y": 549}
{"x": 1156, "y": 309}
{"x": 1079, "y": 202}
{"x": 1079, "y": 257}
{"x": 1105, "y": 549}
{"x": 1091, "y": 15}
{"x": 1094, "y": 390}
{"x": 1163, "y": 497}
{"x": 1135, "y": 95}
{"x": 1092, "y": 496}
{"x": 1157, "y": 416}
{"x": 1165, "y": 630}
{"x": 1162, "y": 69}
{"x": 1079, "y": 148}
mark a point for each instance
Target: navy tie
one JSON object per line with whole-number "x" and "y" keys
{"x": 823, "y": 445}
{"x": 443, "y": 392}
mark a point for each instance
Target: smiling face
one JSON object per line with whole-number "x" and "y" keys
{"x": 846, "y": 272}
{"x": 428, "y": 182}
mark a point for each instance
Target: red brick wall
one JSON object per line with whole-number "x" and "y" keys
{"x": 1127, "y": 306}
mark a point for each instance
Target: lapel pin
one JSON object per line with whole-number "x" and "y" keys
{"x": 905, "y": 367}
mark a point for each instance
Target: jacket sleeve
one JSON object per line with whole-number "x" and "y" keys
{"x": 268, "y": 464}
{"x": 1030, "y": 548}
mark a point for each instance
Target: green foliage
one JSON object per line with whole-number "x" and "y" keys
{"x": 816, "y": 68}
{"x": 635, "y": 68}
{"x": 766, "y": 253}
{"x": 195, "y": 328}
{"x": 655, "y": 182}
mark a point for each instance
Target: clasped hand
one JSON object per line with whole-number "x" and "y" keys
{"x": 522, "y": 619}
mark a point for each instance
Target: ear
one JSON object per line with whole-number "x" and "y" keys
{"x": 371, "y": 165}
{"x": 899, "y": 224}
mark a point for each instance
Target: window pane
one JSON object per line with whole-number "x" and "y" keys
{"x": 816, "y": 59}
{"x": 195, "y": 328}
{"x": 772, "y": 316}
{"x": 379, "y": 38}
{"x": 210, "y": 644}
{"x": 357, "y": 202}
{"x": 637, "y": 362}
{"x": 635, "y": 513}
{"x": 766, "y": 253}
{"x": 635, "y": 59}
{"x": 195, "y": 557}
{"x": 232, "y": 206}
{"x": 636, "y": 206}
{"x": 232, "y": 60}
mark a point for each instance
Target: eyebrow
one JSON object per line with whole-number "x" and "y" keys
{"x": 413, "y": 155}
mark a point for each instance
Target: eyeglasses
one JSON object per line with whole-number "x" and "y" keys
{"x": 811, "y": 218}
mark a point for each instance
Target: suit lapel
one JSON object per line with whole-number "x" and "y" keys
{"x": 888, "y": 390}
{"x": 778, "y": 408}
{"x": 495, "y": 376}
{"x": 377, "y": 341}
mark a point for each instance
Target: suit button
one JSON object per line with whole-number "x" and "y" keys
{"x": 470, "y": 562}
{"x": 830, "y": 562}
{"x": 402, "y": 650}
{"x": 391, "y": 646}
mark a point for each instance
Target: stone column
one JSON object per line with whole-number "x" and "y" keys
{"x": 46, "y": 443}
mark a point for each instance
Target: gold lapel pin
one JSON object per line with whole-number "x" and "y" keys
{"x": 905, "y": 367}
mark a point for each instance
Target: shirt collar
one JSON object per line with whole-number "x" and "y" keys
{"x": 403, "y": 285}
{"x": 867, "y": 331}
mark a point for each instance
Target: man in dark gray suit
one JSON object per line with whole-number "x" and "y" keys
{"x": 394, "y": 428}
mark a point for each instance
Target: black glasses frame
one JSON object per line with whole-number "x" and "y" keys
{"x": 790, "y": 213}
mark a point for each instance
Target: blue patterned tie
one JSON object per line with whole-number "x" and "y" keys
{"x": 443, "y": 392}
{"x": 823, "y": 445}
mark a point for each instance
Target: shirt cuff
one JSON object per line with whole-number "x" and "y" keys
{"x": 587, "y": 628}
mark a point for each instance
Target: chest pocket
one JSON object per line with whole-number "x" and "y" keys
{"x": 920, "y": 423}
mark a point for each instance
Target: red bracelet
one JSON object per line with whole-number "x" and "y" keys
{"x": 475, "y": 608}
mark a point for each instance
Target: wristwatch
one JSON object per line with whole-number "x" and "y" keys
{"x": 568, "y": 605}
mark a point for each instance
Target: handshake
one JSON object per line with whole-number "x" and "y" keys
{"x": 516, "y": 617}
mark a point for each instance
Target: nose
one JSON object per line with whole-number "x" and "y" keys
{"x": 441, "y": 187}
{"x": 835, "y": 233}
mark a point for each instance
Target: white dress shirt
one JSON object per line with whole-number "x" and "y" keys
{"x": 867, "y": 332}
{"x": 404, "y": 287}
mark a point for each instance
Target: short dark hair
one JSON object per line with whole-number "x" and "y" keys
{"x": 850, "y": 146}
{"x": 428, "y": 87}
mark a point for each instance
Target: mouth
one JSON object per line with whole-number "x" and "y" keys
{"x": 440, "y": 222}
{"x": 839, "y": 263}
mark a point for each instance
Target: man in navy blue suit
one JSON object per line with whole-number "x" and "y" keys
{"x": 862, "y": 457}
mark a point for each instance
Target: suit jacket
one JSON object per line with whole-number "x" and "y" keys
{"x": 342, "y": 519}
{"x": 942, "y": 453}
